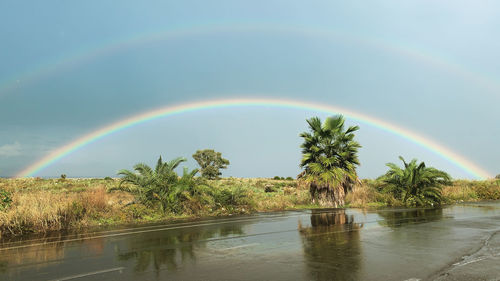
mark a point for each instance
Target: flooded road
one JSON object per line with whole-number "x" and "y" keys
{"x": 460, "y": 242}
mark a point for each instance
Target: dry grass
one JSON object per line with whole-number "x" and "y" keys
{"x": 44, "y": 205}
{"x": 68, "y": 204}
{"x": 465, "y": 190}
{"x": 41, "y": 205}
{"x": 367, "y": 195}
{"x": 285, "y": 193}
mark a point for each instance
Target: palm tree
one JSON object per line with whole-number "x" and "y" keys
{"x": 415, "y": 184}
{"x": 160, "y": 184}
{"x": 329, "y": 160}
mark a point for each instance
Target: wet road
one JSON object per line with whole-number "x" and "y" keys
{"x": 456, "y": 243}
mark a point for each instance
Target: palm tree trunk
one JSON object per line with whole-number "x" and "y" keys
{"x": 327, "y": 196}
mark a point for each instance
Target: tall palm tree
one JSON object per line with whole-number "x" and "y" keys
{"x": 329, "y": 159}
{"x": 415, "y": 184}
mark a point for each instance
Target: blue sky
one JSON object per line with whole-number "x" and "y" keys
{"x": 431, "y": 67}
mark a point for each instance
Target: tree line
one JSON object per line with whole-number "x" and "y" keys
{"x": 329, "y": 162}
{"x": 330, "y": 159}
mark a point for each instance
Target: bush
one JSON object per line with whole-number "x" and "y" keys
{"x": 488, "y": 192}
{"x": 497, "y": 177}
{"x": 270, "y": 188}
{"x": 289, "y": 178}
{"x": 138, "y": 211}
{"x": 230, "y": 197}
{"x": 5, "y": 199}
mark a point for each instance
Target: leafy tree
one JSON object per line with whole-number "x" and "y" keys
{"x": 415, "y": 184}
{"x": 210, "y": 162}
{"x": 497, "y": 177}
{"x": 329, "y": 159}
{"x": 162, "y": 184}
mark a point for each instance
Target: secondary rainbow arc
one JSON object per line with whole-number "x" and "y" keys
{"x": 89, "y": 52}
{"x": 414, "y": 137}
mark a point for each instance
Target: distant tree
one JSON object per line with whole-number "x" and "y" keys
{"x": 329, "y": 159}
{"x": 497, "y": 177}
{"x": 210, "y": 163}
{"x": 63, "y": 176}
{"x": 415, "y": 184}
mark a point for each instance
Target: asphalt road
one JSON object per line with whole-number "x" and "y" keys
{"x": 455, "y": 243}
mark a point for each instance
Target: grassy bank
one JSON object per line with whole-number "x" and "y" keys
{"x": 370, "y": 193}
{"x": 41, "y": 205}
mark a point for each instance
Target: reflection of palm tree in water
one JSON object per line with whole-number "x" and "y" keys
{"x": 331, "y": 245}
{"x": 397, "y": 218}
{"x": 173, "y": 248}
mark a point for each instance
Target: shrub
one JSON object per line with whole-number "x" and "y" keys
{"x": 230, "y": 197}
{"x": 161, "y": 185}
{"x": 95, "y": 200}
{"x": 488, "y": 191}
{"x": 63, "y": 176}
{"x": 415, "y": 184}
{"x": 289, "y": 178}
{"x": 224, "y": 197}
{"x": 270, "y": 188}
{"x": 138, "y": 211}
{"x": 5, "y": 199}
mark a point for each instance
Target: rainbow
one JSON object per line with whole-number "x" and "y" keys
{"x": 88, "y": 52}
{"x": 85, "y": 140}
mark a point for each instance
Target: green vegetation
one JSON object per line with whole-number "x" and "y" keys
{"x": 155, "y": 195}
{"x": 283, "y": 178}
{"x": 162, "y": 185}
{"x": 416, "y": 184}
{"x": 5, "y": 199}
{"x": 465, "y": 190}
{"x": 372, "y": 193}
{"x": 329, "y": 160}
{"x": 210, "y": 163}
{"x": 41, "y": 205}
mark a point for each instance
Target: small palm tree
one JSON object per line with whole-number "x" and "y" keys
{"x": 330, "y": 158}
{"x": 160, "y": 184}
{"x": 415, "y": 184}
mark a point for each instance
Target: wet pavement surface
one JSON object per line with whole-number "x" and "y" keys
{"x": 460, "y": 242}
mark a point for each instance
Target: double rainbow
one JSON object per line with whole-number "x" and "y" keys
{"x": 413, "y": 137}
